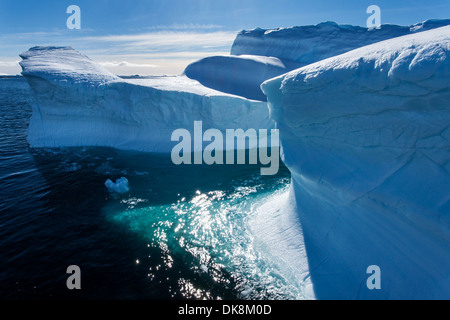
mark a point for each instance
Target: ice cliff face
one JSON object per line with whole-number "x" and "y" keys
{"x": 366, "y": 136}
{"x": 76, "y": 102}
{"x": 62, "y": 66}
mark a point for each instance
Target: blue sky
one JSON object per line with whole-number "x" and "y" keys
{"x": 162, "y": 37}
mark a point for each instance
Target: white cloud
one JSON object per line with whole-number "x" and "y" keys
{"x": 160, "y": 50}
{"x": 126, "y": 64}
{"x": 9, "y": 63}
{"x": 167, "y": 41}
{"x": 142, "y": 58}
{"x": 186, "y": 26}
{"x": 161, "y": 63}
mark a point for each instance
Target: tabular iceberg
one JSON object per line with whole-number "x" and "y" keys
{"x": 258, "y": 55}
{"x": 366, "y": 136}
{"x": 76, "y": 102}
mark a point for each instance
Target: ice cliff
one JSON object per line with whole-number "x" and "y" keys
{"x": 76, "y": 102}
{"x": 366, "y": 136}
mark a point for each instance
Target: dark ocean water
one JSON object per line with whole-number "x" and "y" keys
{"x": 179, "y": 233}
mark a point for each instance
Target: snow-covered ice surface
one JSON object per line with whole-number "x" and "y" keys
{"x": 258, "y": 55}
{"x": 366, "y": 136}
{"x": 239, "y": 75}
{"x": 278, "y": 233}
{"x": 76, "y": 102}
{"x": 308, "y": 44}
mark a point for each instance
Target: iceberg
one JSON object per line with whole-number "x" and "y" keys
{"x": 309, "y": 44}
{"x": 365, "y": 130}
{"x": 120, "y": 186}
{"x": 366, "y": 136}
{"x": 76, "y": 102}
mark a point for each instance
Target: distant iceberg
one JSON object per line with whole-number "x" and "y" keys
{"x": 366, "y": 136}
{"x": 239, "y": 75}
{"x": 258, "y": 55}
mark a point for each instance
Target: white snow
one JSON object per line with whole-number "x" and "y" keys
{"x": 62, "y": 65}
{"x": 78, "y": 103}
{"x": 366, "y": 136}
{"x": 308, "y": 44}
{"x": 120, "y": 186}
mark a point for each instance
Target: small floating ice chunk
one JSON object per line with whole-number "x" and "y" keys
{"x": 246, "y": 292}
{"x": 120, "y": 186}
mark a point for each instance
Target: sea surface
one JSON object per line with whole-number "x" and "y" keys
{"x": 181, "y": 232}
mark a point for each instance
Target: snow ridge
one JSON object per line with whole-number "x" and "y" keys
{"x": 308, "y": 44}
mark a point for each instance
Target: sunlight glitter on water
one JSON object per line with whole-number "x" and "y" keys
{"x": 211, "y": 229}
{"x": 179, "y": 232}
